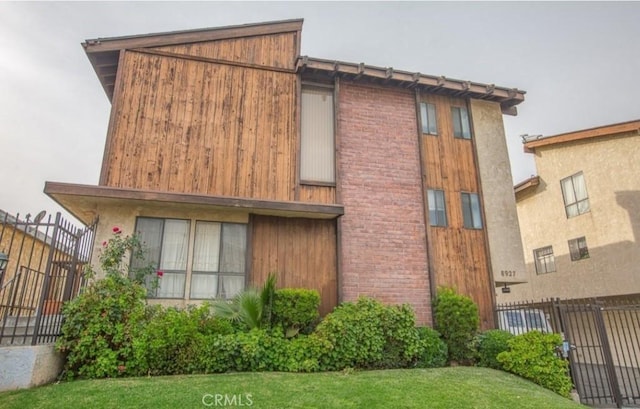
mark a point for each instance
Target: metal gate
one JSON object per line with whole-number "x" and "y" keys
{"x": 604, "y": 335}
{"x": 46, "y": 260}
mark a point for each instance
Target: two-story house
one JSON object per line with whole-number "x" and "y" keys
{"x": 233, "y": 156}
{"x": 580, "y": 216}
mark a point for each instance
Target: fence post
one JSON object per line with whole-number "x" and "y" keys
{"x": 608, "y": 357}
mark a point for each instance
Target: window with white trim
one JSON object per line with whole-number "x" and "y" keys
{"x": 217, "y": 259}
{"x": 574, "y": 194}
{"x": 317, "y": 144}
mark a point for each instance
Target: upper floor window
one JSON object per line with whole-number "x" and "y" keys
{"x": 574, "y": 193}
{"x": 317, "y": 144}
{"x": 428, "y": 118}
{"x": 578, "y": 249}
{"x": 471, "y": 211}
{"x": 218, "y": 257}
{"x": 437, "y": 209}
{"x": 460, "y": 118}
{"x": 544, "y": 260}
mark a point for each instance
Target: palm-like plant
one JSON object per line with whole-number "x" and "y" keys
{"x": 250, "y": 307}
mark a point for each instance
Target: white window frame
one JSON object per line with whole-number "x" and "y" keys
{"x": 544, "y": 260}
{"x": 428, "y": 118}
{"x": 575, "y": 195}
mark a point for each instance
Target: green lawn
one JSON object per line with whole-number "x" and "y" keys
{"x": 459, "y": 387}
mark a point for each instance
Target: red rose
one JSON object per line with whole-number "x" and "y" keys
{"x": 116, "y": 230}
{"x": 160, "y": 273}
{"x": 104, "y": 244}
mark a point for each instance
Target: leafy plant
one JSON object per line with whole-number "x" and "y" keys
{"x": 101, "y": 323}
{"x": 456, "y": 318}
{"x": 490, "y": 344}
{"x": 250, "y": 308}
{"x": 433, "y": 350}
{"x": 533, "y": 356}
{"x": 295, "y": 309}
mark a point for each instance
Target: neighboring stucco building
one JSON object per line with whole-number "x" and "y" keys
{"x": 580, "y": 216}
{"x": 234, "y": 156}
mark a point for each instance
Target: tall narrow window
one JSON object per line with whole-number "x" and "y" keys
{"x": 578, "y": 249}
{"x": 460, "y": 118}
{"x": 317, "y": 151}
{"x": 574, "y": 193}
{"x": 166, "y": 242}
{"x": 544, "y": 260}
{"x": 428, "y": 118}
{"x": 437, "y": 209}
{"x": 471, "y": 211}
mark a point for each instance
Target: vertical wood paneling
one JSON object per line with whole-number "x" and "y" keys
{"x": 301, "y": 251}
{"x": 317, "y": 194}
{"x": 196, "y": 127}
{"x": 457, "y": 255}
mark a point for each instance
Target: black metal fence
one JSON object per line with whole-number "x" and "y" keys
{"x": 45, "y": 269}
{"x": 602, "y": 339}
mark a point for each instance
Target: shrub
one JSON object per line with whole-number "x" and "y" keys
{"x": 433, "y": 350}
{"x": 295, "y": 309}
{"x": 99, "y": 326}
{"x": 456, "y": 318}
{"x": 490, "y": 344}
{"x": 367, "y": 334}
{"x": 533, "y": 356}
{"x": 250, "y": 308}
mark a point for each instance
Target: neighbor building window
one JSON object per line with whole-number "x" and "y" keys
{"x": 578, "y": 249}
{"x": 460, "y": 118}
{"x": 574, "y": 193}
{"x": 217, "y": 258}
{"x": 428, "y": 118}
{"x": 471, "y": 215}
{"x": 317, "y": 151}
{"x": 544, "y": 260}
{"x": 437, "y": 209}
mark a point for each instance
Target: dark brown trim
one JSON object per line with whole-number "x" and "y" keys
{"x": 211, "y": 60}
{"x": 312, "y": 183}
{"x": 433, "y": 290}
{"x": 507, "y": 97}
{"x": 57, "y": 190}
{"x": 338, "y": 177}
{"x": 115, "y": 106}
{"x": 248, "y": 260}
{"x": 192, "y": 36}
{"x": 298, "y": 116}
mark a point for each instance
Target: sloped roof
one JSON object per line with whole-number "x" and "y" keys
{"x": 104, "y": 55}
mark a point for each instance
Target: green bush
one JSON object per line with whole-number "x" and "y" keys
{"x": 457, "y": 320}
{"x": 490, "y": 344}
{"x": 433, "y": 350}
{"x": 367, "y": 334}
{"x": 295, "y": 309}
{"x": 164, "y": 345}
{"x": 213, "y": 353}
{"x": 99, "y": 327}
{"x": 533, "y": 356}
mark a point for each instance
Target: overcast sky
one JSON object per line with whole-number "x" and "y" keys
{"x": 579, "y": 63}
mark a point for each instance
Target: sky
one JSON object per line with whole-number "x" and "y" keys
{"x": 578, "y": 61}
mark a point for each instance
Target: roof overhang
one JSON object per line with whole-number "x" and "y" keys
{"x": 507, "y": 97}
{"x": 83, "y": 202}
{"x": 104, "y": 53}
{"x": 608, "y": 130}
{"x": 526, "y": 185}
{"x": 504, "y": 284}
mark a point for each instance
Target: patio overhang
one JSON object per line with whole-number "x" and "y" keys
{"x": 84, "y": 201}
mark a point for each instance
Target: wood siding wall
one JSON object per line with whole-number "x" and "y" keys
{"x": 458, "y": 256}
{"x": 301, "y": 251}
{"x": 186, "y": 125}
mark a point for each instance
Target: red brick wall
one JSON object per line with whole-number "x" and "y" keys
{"x": 383, "y": 248}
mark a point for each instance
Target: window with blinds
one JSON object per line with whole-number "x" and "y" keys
{"x": 317, "y": 144}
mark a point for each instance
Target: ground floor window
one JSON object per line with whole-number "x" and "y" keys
{"x": 544, "y": 260}
{"x": 210, "y": 260}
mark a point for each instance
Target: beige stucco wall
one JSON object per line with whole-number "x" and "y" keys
{"x": 501, "y": 218}
{"x": 123, "y": 216}
{"x": 611, "y": 168}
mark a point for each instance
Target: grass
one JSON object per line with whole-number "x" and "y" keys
{"x": 458, "y": 387}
